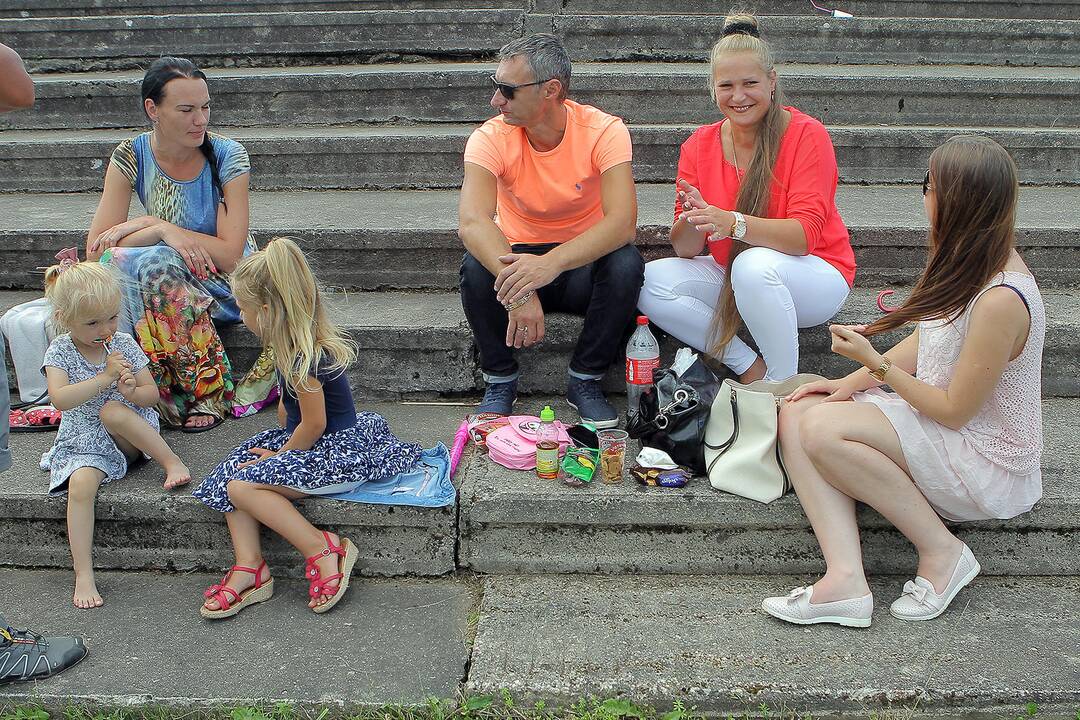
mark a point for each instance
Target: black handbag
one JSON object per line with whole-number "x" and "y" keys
{"x": 672, "y": 416}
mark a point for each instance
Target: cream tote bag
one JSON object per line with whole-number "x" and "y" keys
{"x": 742, "y": 455}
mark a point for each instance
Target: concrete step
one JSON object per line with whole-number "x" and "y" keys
{"x": 393, "y": 641}
{"x": 259, "y": 38}
{"x": 430, "y": 156}
{"x": 1047, "y": 9}
{"x": 705, "y": 642}
{"x": 108, "y": 42}
{"x": 643, "y": 92}
{"x": 139, "y": 526}
{"x": 418, "y": 345}
{"x": 977, "y": 9}
{"x": 643, "y": 640}
{"x": 511, "y": 522}
{"x": 79, "y": 8}
{"x": 823, "y": 39}
{"x": 369, "y": 240}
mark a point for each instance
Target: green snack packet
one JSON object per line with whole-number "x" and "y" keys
{"x": 578, "y": 466}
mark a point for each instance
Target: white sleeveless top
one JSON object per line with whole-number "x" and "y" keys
{"x": 1008, "y": 429}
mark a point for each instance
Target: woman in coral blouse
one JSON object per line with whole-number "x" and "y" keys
{"x": 758, "y": 189}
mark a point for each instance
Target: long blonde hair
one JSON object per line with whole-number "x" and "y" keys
{"x": 81, "y": 289}
{"x": 292, "y": 319}
{"x": 975, "y": 185}
{"x": 740, "y": 35}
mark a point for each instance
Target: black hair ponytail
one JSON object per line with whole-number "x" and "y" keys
{"x": 160, "y": 72}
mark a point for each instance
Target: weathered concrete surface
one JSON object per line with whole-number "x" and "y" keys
{"x": 429, "y": 156}
{"x": 387, "y": 641}
{"x": 272, "y": 38}
{"x": 420, "y": 345}
{"x": 644, "y": 92}
{"x": 511, "y": 522}
{"x": 370, "y": 240}
{"x": 705, "y": 642}
{"x": 1049, "y": 9}
{"x": 139, "y": 526}
{"x": 818, "y": 39}
{"x": 258, "y": 38}
{"x": 64, "y": 8}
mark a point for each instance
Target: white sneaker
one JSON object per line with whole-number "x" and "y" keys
{"x": 797, "y": 608}
{"x": 920, "y": 602}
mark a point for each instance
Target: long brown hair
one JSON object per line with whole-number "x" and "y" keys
{"x": 975, "y": 186}
{"x": 740, "y": 35}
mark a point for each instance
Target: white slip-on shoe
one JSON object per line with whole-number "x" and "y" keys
{"x": 797, "y": 608}
{"x": 920, "y": 602}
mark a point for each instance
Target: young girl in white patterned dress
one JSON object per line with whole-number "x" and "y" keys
{"x": 961, "y": 435}
{"x": 99, "y": 379}
{"x": 322, "y": 447}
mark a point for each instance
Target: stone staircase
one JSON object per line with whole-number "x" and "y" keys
{"x": 356, "y": 115}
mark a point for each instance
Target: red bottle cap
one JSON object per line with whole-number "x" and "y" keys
{"x": 642, "y": 320}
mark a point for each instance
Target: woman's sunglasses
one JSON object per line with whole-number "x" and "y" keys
{"x": 926, "y": 183}
{"x": 509, "y": 90}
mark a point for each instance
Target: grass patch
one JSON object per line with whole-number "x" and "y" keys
{"x": 474, "y": 707}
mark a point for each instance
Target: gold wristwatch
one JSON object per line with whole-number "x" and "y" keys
{"x": 879, "y": 373}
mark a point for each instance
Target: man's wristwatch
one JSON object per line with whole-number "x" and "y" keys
{"x": 738, "y": 226}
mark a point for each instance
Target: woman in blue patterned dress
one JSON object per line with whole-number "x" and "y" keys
{"x": 322, "y": 447}
{"x": 194, "y": 188}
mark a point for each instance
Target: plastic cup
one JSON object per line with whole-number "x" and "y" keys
{"x": 613, "y": 455}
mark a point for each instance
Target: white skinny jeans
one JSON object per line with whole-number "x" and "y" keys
{"x": 776, "y": 294}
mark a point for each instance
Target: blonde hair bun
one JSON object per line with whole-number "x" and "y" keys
{"x": 740, "y": 24}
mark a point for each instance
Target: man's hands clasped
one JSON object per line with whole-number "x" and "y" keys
{"x": 516, "y": 287}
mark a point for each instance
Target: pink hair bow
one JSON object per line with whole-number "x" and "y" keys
{"x": 67, "y": 257}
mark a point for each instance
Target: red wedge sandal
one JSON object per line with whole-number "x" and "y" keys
{"x": 229, "y": 606}
{"x": 348, "y": 554}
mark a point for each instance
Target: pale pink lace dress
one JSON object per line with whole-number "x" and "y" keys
{"x": 990, "y": 468}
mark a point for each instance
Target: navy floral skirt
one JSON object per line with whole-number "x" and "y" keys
{"x": 338, "y": 462}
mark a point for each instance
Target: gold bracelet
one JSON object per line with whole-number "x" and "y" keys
{"x": 510, "y": 307}
{"x": 879, "y": 373}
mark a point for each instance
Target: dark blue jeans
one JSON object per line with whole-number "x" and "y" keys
{"x": 604, "y": 292}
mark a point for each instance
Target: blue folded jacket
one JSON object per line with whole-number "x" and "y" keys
{"x": 427, "y": 484}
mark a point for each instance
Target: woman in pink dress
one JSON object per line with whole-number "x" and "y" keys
{"x": 961, "y": 436}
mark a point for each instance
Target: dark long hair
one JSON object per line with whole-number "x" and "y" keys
{"x": 740, "y": 34}
{"x": 157, "y": 76}
{"x": 975, "y": 188}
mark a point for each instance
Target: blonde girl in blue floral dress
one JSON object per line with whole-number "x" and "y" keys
{"x": 323, "y": 446}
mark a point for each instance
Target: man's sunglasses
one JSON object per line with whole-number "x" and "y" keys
{"x": 509, "y": 90}
{"x": 926, "y": 183}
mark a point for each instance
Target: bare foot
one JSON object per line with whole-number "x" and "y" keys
{"x": 86, "y": 593}
{"x": 830, "y": 589}
{"x": 176, "y": 475}
{"x": 238, "y": 581}
{"x": 754, "y": 372}
{"x": 939, "y": 567}
{"x": 199, "y": 421}
{"x": 328, "y": 565}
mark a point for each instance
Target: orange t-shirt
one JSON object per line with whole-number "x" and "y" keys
{"x": 553, "y": 196}
{"x": 803, "y": 189}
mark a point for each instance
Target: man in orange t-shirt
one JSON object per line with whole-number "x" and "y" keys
{"x": 548, "y": 214}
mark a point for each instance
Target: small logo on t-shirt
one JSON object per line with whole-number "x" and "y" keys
{"x": 578, "y": 186}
